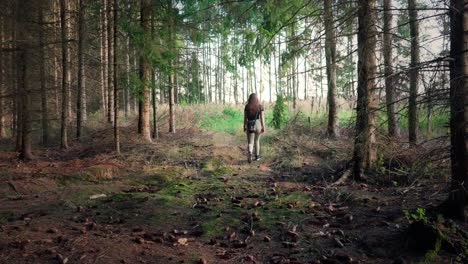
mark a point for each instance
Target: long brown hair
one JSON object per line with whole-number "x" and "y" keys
{"x": 253, "y": 103}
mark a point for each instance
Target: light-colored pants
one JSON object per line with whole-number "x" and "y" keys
{"x": 255, "y": 138}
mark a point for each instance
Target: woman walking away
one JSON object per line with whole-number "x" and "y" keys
{"x": 254, "y": 125}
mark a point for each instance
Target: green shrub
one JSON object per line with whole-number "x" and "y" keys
{"x": 418, "y": 215}
{"x": 280, "y": 113}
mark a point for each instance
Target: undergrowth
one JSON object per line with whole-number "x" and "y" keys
{"x": 229, "y": 120}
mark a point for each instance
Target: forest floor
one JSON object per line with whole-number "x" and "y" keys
{"x": 193, "y": 198}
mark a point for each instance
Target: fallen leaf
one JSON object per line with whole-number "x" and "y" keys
{"x": 182, "y": 241}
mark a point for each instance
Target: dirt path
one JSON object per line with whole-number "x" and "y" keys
{"x": 193, "y": 200}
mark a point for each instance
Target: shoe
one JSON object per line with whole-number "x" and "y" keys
{"x": 257, "y": 157}
{"x": 249, "y": 159}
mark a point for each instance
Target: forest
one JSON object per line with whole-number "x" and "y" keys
{"x": 127, "y": 136}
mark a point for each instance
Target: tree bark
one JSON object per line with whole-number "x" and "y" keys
{"x": 269, "y": 81}
{"x": 127, "y": 76}
{"x": 22, "y": 42}
{"x": 3, "y": 78}
{"x": 293, "y": 83}
{"x": 172, "y": 80}
{"x": 414, "y": 72}
{"x": 103, "y": 35}
{"x": 364, "y": 152}
{"x": 155, "y": 108}
{"x": 16, "y": 126}
{"x": 44, "y": 110}
{"x": 454, "y": 206}
{"x": 110, "y": 56}
{"x": 146, "y": 73}
{"x": 305, "y": 77}
{"x": 116, "y": 88}
{"x": 81, "y": 75}
{"x": 65, "y": 74}
{"x": 330, "y": 56}
{"x": 393, "y": 130}
{"x": 25, "y": 152}
{"x": 69, "y": 60}
{"x": 153, "y": 90}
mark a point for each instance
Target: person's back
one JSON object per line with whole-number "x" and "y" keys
{"x": 254, "y": 125}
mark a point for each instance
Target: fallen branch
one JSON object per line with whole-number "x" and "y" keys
{"x": 13, "y": 186}
{"x": 343, "y": 178}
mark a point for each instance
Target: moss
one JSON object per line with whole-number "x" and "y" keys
{"x": 299, "y": 199}
{"x": 278, "y": 210}
{"x": 6, "y": 216}
{"x": 215, "y": 166}
{"x": 216, "y": 222}
{"x": 220, "y": 171}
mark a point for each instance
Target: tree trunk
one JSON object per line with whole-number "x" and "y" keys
{"x": 153, "y": 88}
{"x": 22, "y": 42}
{"x": 293, "y": 83}
{"x": 414, "y": 72}
{"x": 171, "y": 101}
{"x": 65, "y": 74}
{"x": 146, "y": 73}
{"x": 388, "y": 70}
{"x": 127, "y": 76}
{"x": 103, "y": 35}
{"x": 454, "y": 206}
{"x": 3, "y": 78}
{"x": 305, "y": 78}
{"x": 16, "y": 126}
{"x": 244, "y": 96}
{"x": 25, "y": 151}
{"x": 69, "y": 60}
{"x": 172, "y": 81}
{"x": 110, "y": 55}
{"x": 364, "y": 152}
{"x": 116, "y": 88}
{"x": 155, "y": 109}
{"x": 81, "y": 76}
{"x": 176, "y": 80}
{"x": 330, "y": 56}
{"x": 269, "y": 81}
{"x": 44, "y": 110}
{"x": 56, "y": 85}
{"x": 277, "y": 76}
